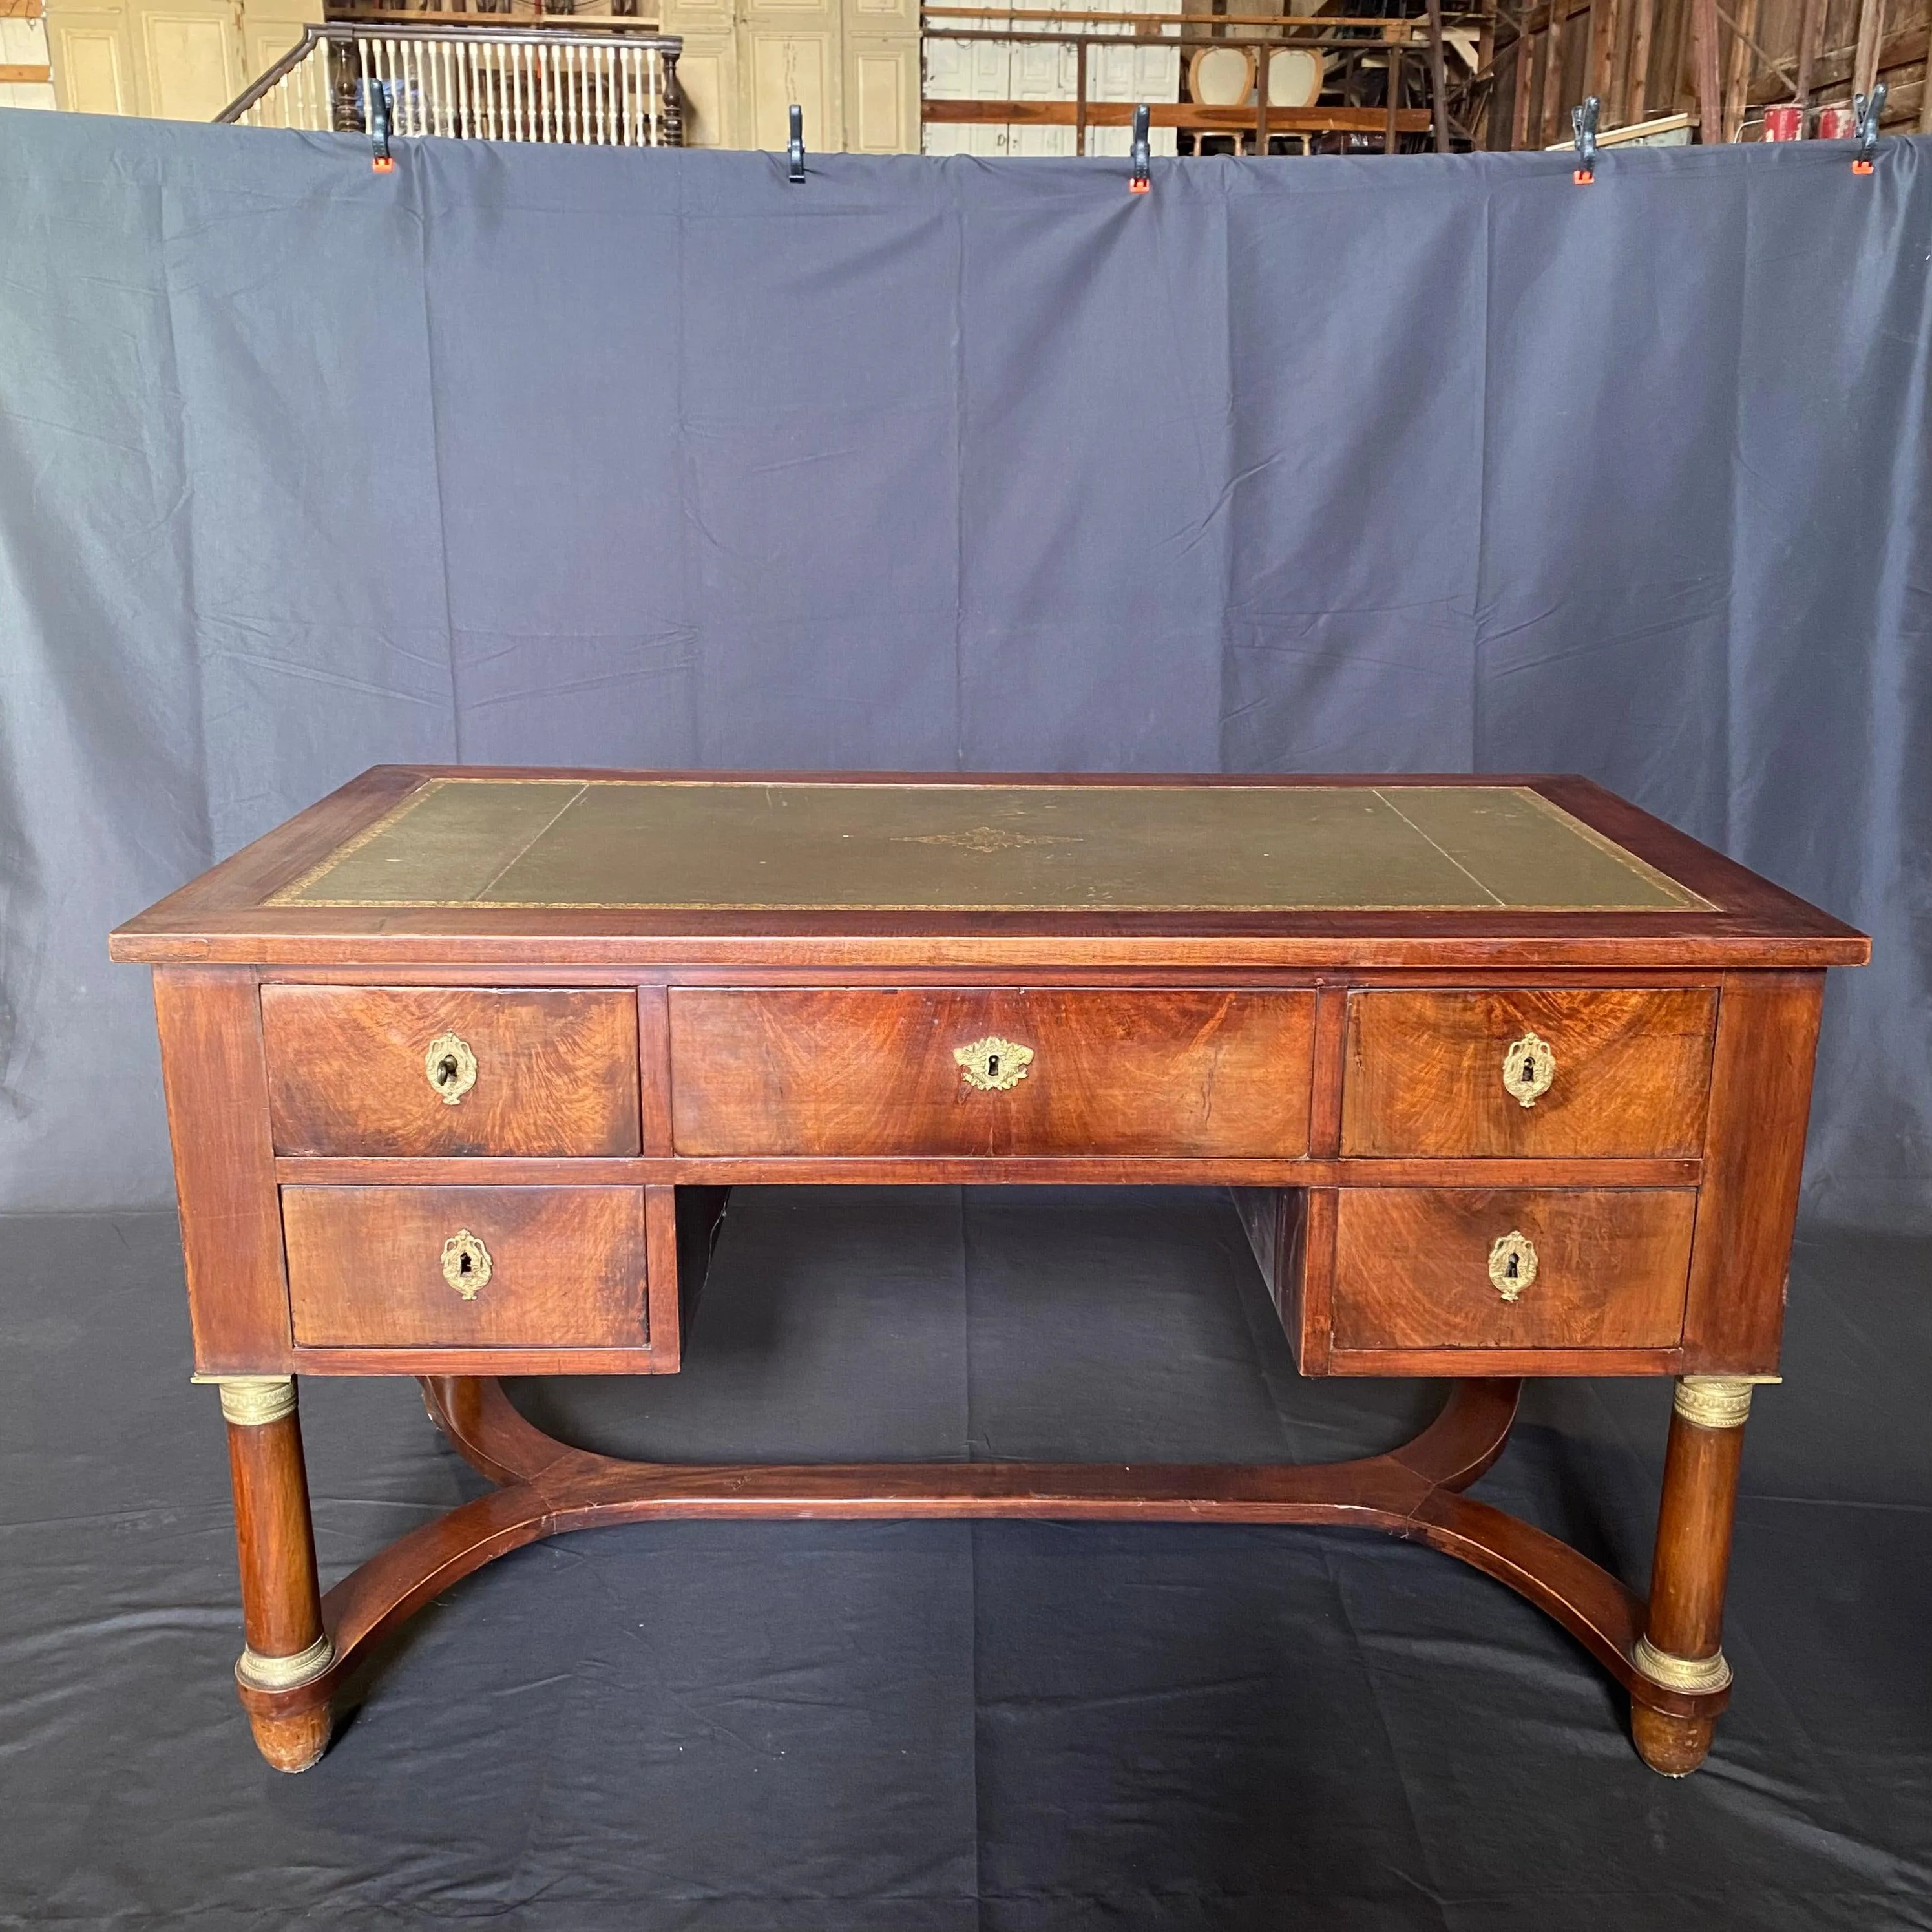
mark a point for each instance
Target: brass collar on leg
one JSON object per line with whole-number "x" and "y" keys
{"x": 1691, "y": 1674}
{"x": 285, "y": 1673}
{"x": 1716, "y": 1402}
{"x": 250, "y": 1402}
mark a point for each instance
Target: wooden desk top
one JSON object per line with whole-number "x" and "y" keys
{"x": 476, "y": 865}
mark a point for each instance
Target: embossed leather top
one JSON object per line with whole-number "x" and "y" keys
{"x": 1279, "y": 869}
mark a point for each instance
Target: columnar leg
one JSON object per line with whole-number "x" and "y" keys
{"x": 286, "y": 1649}
{"x": 1679, "y": 1649}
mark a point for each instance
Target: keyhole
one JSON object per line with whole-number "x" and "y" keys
{"x": 462, "y": 1265}
{"x": 992, "y": 1065}
{"x": 1510, "y": 1270}
{"x": 446, "y": 1070}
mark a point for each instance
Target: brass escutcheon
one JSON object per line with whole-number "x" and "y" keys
{"x": 1512, "y": 1264}
{"x": 1528, "y": 1067}
{"x": 993, "y": 1065}
{"x": 450, "y": 1067}
{"x": 465, "y": 1263}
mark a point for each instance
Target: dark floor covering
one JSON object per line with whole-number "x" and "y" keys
{"x": 930, "y": 1727}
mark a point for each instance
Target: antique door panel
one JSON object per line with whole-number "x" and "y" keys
{"x": 92, "y": 59}
{"x": 189, "y": 55}
{"x": 882, "y": 97}
{"x": 793, "y": 65}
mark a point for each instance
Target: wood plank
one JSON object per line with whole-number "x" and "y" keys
{"x": 1320, "y": 22}
{"x": 1633, "y": 102}
{"x": 1331, "y": 1048}
{"x": 1169, "y": 114}
{"x": 1865, "y": 55}
{"x": 1310, "y": 1301}
{"x": 654, "y": 1069}
{"x": 214, "y": 1074}
{"x": 1538, "y": 1362}
{"x": 1523, "y": 52}
{"x": 1739, "y": 64}
{"x": 1551, "y": 127}
{"x": 24, "y": 74}
{"x": 1754, "y": 1161}
{"x": 1704, "y": 66}
{"x": 1600, "y": 66}
{"x": 1925, "y": 79}
{"x": 664, "y": 1328}
{"x": 1068, "y": 1171}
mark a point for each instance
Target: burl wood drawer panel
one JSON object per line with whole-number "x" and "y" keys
{"x": 1581, "y": 1268}
{"x": 942, "y": 1072}
{"x": 381, "y": 1070}
{"x": 456, "y": 1267}
{"x": 1608, "y": 1074}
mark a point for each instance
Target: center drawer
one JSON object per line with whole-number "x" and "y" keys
{"x": 941, "y": 1071}
{"x": 458, "y": 1267}
{"x": 383, "y": 1071}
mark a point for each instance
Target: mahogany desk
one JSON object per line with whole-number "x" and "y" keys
{"x": 1508, "y": 1078}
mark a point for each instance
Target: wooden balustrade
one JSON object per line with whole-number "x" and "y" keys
{"x": 498, "y": 83}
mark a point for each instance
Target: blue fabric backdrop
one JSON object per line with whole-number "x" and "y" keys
{"x": 532, "y": 454}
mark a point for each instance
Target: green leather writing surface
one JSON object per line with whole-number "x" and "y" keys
{"x": 728, "y": 845}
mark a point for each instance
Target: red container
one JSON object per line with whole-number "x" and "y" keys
{"x": 1836, "y": 124}
{"x": 1785, "y": 123}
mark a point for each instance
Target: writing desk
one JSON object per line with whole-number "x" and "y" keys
{"x": 1507, "y": 1078}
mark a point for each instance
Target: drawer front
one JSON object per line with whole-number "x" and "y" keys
{"x": 385, "y": 1268}
{"x": 878, "y": 1072}
{"x": 1593, "y": 1268}
{"x": 1611, "y": 1074}
{"x": 351, "y": 1071}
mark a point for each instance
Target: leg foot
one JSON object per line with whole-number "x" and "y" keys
{"x": 1678, "y": 1650}
{"x": 287, "y": 1650}
{"x": 294, "y": 1741}
{"x": 1674, "y": 1746}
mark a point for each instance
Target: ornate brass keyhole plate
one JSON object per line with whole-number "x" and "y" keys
{"x": 993, "y": 1065}
{"x": 450, "y": 1067}
{"x": 465, "y": 1263}
{"x": 1512, "y": 1264}
{"x": 1528, "y": 1067}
